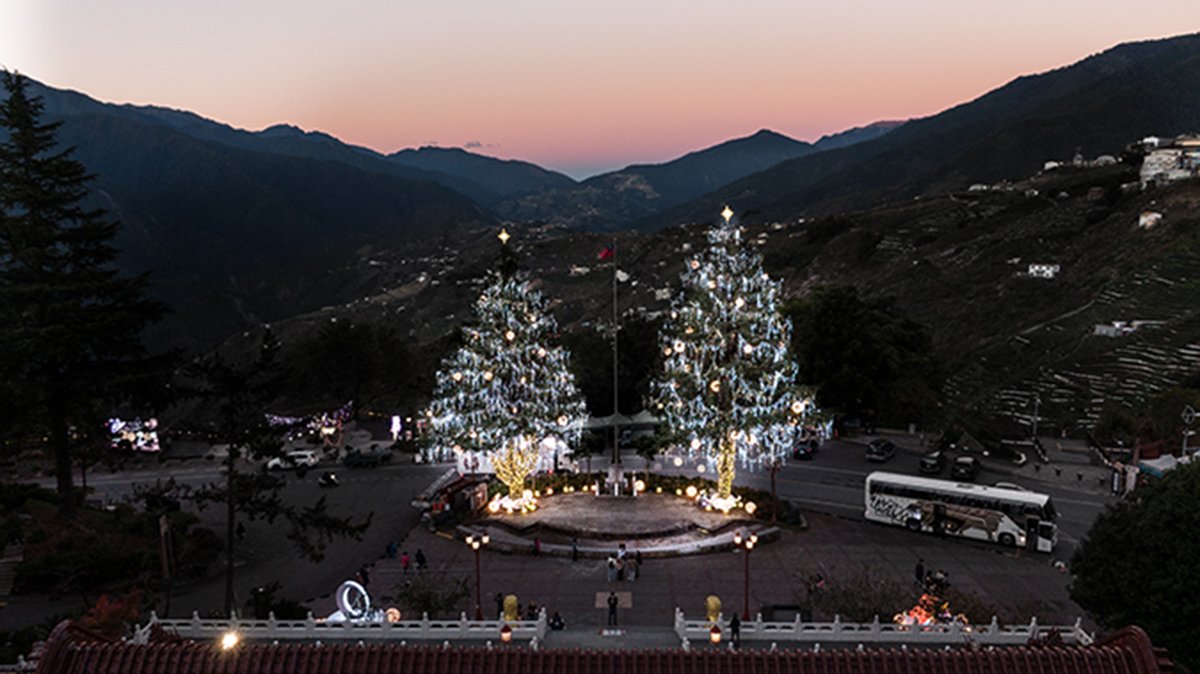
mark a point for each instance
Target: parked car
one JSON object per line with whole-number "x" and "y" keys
{"x": 373, "y": 456}
{"x": 932, "y": 463}
{"x": 965, "y": 468}
{"x": 305, "y": 458}
{"x": 1009, "y": 485}
{"x": 881, "y": 450}
{"x": 805, "y": 449}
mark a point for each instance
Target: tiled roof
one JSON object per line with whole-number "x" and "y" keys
{"x": 70, "y": 652}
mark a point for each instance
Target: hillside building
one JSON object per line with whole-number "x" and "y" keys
{"x": 1170, "y": 161}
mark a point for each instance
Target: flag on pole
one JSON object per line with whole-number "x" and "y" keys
{"x": 609, "y": 251}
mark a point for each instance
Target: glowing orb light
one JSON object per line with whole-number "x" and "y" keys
{"x": 230, "y": 640}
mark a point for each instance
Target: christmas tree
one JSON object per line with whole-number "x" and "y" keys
{"x": 729, "y": 390}
{"x": 508, "y": 388}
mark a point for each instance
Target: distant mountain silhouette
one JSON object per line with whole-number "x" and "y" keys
{"x": 221, "y": 216}
{"x": 505, "y": 179}
{"x": 859, "y": 134}
{"x": 610, "y": 200}
{"x": 1098, "y": 105}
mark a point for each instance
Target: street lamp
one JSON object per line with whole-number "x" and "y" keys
{"x": 477, "y": 542}
{"x": 746, "y": 543}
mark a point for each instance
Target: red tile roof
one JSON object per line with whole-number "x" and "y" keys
{"x": 70, "y": 651}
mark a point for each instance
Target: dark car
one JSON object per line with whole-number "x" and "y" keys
{"x": 881, "y": 450}
{"x": 367, "y": 458}
{"x": 965, "y": 468}
{"x": 805, "y": 449}
{"x": 932, "y": 463}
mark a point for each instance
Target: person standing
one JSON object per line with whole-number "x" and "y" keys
{"x": 500, "y": 605}
{"x": 405, "y": 561}
{"x": 422, "y": 563}
{"x": 735, "y": 631}
{"x": 537, "y": 546}
{"x": 919, "y": 571}
{"x": 574, "y": 549}
{"x": 612, "y": 609}
{"x": 612, "y": 569}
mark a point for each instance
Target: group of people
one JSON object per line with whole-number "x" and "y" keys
{"x": 929, "y": 579}
{"x": 407, "y": 563}
{"x": 624, "y": 565}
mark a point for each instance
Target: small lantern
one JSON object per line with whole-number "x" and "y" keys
{"x": 691, "y": 491}
{"x": 392, "y": 615}
{"x": 505, "y": 633}
{"x": 714, "y": 634}
{"x": 230, "y": 640}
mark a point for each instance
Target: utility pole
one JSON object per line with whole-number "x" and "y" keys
{"x": 1037, "y": 401}
{"x": 1189, "y": 417}
{"x": 616, "y": 329}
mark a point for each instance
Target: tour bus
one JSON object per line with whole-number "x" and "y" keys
{"x": 1006, "y": 516}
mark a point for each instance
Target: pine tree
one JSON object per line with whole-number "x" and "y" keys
{"x": 69, "y": 340}
{"x": 728, "y": 388}
{"x": 508, "y": 387}
{"x": 238, "y": 396}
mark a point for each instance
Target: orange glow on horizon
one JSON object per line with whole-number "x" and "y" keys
{"x": 572, "y": 86}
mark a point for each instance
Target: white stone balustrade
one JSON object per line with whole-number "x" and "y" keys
{"x": 311, "y": 629}
{"x": 875, "y": 632}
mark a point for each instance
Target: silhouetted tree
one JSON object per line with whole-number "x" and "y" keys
{"x": 239, "y": 395}
{"x": 865, "y": 359}
{"x": 1137, "y": 564}
{"x": 69, "y": 339}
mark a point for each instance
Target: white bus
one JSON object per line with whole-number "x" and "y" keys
{"x": 1006, "y": 516}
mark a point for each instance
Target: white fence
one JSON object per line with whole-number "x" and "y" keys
{"x": 311, "y": 629}
{"x": 875, "y": 632}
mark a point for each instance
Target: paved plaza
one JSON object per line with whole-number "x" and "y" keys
{"x": 1020, "y": 585}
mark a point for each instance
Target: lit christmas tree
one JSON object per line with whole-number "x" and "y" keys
{"x": 507, "y": 389}
{"x": 729, "y": 390}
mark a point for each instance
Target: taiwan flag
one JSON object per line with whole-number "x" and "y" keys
{"x": 609, "y": 251}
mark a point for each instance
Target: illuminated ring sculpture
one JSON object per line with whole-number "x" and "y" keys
{"x": 353, "y": 600}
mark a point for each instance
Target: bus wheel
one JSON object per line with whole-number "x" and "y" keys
{"x": 1008, "y": 540}
{"x": 913, "y": 524}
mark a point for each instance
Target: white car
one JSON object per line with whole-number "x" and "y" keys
{"x": 299, "y": 459}
{"x": 1009, "y": 485}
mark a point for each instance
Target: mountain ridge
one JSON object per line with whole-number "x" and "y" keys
{"x": 1100, "y": 103}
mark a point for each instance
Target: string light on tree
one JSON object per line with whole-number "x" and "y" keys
{"x": 728, "y": 387}
{"x": 508, "y": 388}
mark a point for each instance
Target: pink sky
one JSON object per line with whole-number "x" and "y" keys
{"x": 575, "y": 86}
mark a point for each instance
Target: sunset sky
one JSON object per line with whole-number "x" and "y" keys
{"x": 575, "y": 86}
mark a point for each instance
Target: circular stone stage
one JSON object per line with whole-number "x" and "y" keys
{"x": 659, "y": 525}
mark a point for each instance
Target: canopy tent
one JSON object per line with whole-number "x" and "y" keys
{"x": 642, "y": 419}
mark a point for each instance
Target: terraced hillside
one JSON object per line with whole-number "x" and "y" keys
{"x": 958, "y": 262}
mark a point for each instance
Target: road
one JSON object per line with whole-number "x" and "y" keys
{"x": 831, "y": 483}
{"x": 266, "y": 554}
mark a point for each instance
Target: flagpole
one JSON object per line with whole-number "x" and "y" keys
{"x": 616, "y": 328}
